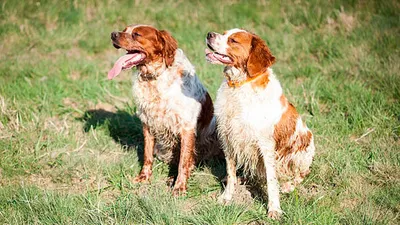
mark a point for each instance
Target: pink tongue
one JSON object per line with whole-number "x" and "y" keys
{"x": 207, "y": 51}
{"x": 118, "y": 65}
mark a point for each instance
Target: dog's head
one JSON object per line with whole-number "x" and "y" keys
{"x": 240, "y": 49}
{"x": 144, "y": 45}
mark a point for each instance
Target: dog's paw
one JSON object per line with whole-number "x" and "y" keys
{"x": 274, "y": 214}
{"x": 179, "y": 189}
{"x": 224, "y": 199}
{"x": 142, "y": 178}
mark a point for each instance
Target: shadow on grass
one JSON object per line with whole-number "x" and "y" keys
{"x": 124, "y": 128}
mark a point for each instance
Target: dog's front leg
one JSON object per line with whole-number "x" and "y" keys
{"x": 146, "y": 172}
{"x": 186, "y": 160}
{"x": 268, "y": 153}
{"x": 226, "y": 197}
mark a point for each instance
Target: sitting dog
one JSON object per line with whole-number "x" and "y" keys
{"x": 259, "y": 129}
{"x": 175, "y": 109}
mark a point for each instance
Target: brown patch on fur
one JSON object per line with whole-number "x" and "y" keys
{"x": 284, "y": 101}
{"x": 261, "y": 81}
{"x": 303, "y": 141}
{"x": 186, "y": 160}
{"x": 260, "y": 57}
{"x": 207, "y": 112}
{"x": 285, "y": 128}
{"x": 180, "y": 72}
{"x": 170, "y": 46}
{"x": 239, "y": 48}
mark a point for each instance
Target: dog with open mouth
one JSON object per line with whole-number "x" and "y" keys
{"x": 259, "y": 128}
{"x": 175, "y": 109}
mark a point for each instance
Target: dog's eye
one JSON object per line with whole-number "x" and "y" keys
{"x": 136, "y": 34}
{"x": 231, "y": 40}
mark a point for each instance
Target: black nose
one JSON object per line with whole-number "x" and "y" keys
{"x": 114, "y": 35}
{"x": 210, "y": 35}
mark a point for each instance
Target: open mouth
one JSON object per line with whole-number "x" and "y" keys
{"x": 131, "y": 59}
{"x": 116, "y": 46}
{"x": 215, "y": 57}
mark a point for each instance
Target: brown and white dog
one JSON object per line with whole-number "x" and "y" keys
{"x": 260, "y": 130}
{"x": 175, "y": 109}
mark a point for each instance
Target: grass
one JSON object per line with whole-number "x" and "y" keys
{"x": 70, "y": 143}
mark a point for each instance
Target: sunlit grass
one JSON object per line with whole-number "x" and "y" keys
{"x": 70, "y": 144}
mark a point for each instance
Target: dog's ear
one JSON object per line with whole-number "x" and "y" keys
{"x": 169, "y": 47}
{"x": 260, "y": 57}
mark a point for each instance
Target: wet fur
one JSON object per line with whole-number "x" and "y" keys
{"x": 261, "y": 132}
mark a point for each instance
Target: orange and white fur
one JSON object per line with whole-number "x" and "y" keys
{"x": 260, "y": 130}
{"x": 175, "y": 109}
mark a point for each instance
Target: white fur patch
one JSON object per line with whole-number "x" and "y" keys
{"x": 221, "y": 40}
{"x": 130, "y": 28}
{"x": 161, "y": 101}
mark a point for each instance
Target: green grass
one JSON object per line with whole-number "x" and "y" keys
{"x": 69, "y": 143}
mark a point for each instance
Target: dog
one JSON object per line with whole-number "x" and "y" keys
{"x": 175, "y": 109}
{"x": 259, "y": 128}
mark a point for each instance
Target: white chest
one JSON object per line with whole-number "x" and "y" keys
{"x": 258, "y": 110}
{"x": 165, "y": 104}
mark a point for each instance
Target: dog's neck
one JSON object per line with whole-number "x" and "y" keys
{"x": 150, "y": 71}
{"x": 236, "y": 78}
{"x": 153, "y": 70}
{"x": 234, "y": 75}
{"x": 156, "y": 70}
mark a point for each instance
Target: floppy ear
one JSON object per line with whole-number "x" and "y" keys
{"x": 260, "y": 57}
{"x": 169, "y": 47}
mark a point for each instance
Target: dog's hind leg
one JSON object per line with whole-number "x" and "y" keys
{"x": 300, "y": 167}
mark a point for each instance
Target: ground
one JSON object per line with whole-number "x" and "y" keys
{"x": 70, "y": 142}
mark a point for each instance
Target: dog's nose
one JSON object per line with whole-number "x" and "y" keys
{"x": 210, "y": 35}
{"x": 114, "y": 35}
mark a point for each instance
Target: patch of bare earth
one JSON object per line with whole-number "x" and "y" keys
{"x": 76, "y": 185}
{"x": 75, "y": 75}
{"x": 59, "y": 125}
{"x": 242, "y": 195}
{"x": 70, "y": 103}
{"x": 312, "y": 190}
{"x": 105, "y": 106}
{"x": 385, "y": 174}
{"x": 356, "y": 194}
{"x": 343, "y": 21}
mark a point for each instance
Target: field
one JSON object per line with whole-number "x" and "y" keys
{"x": 70, "y": 143}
